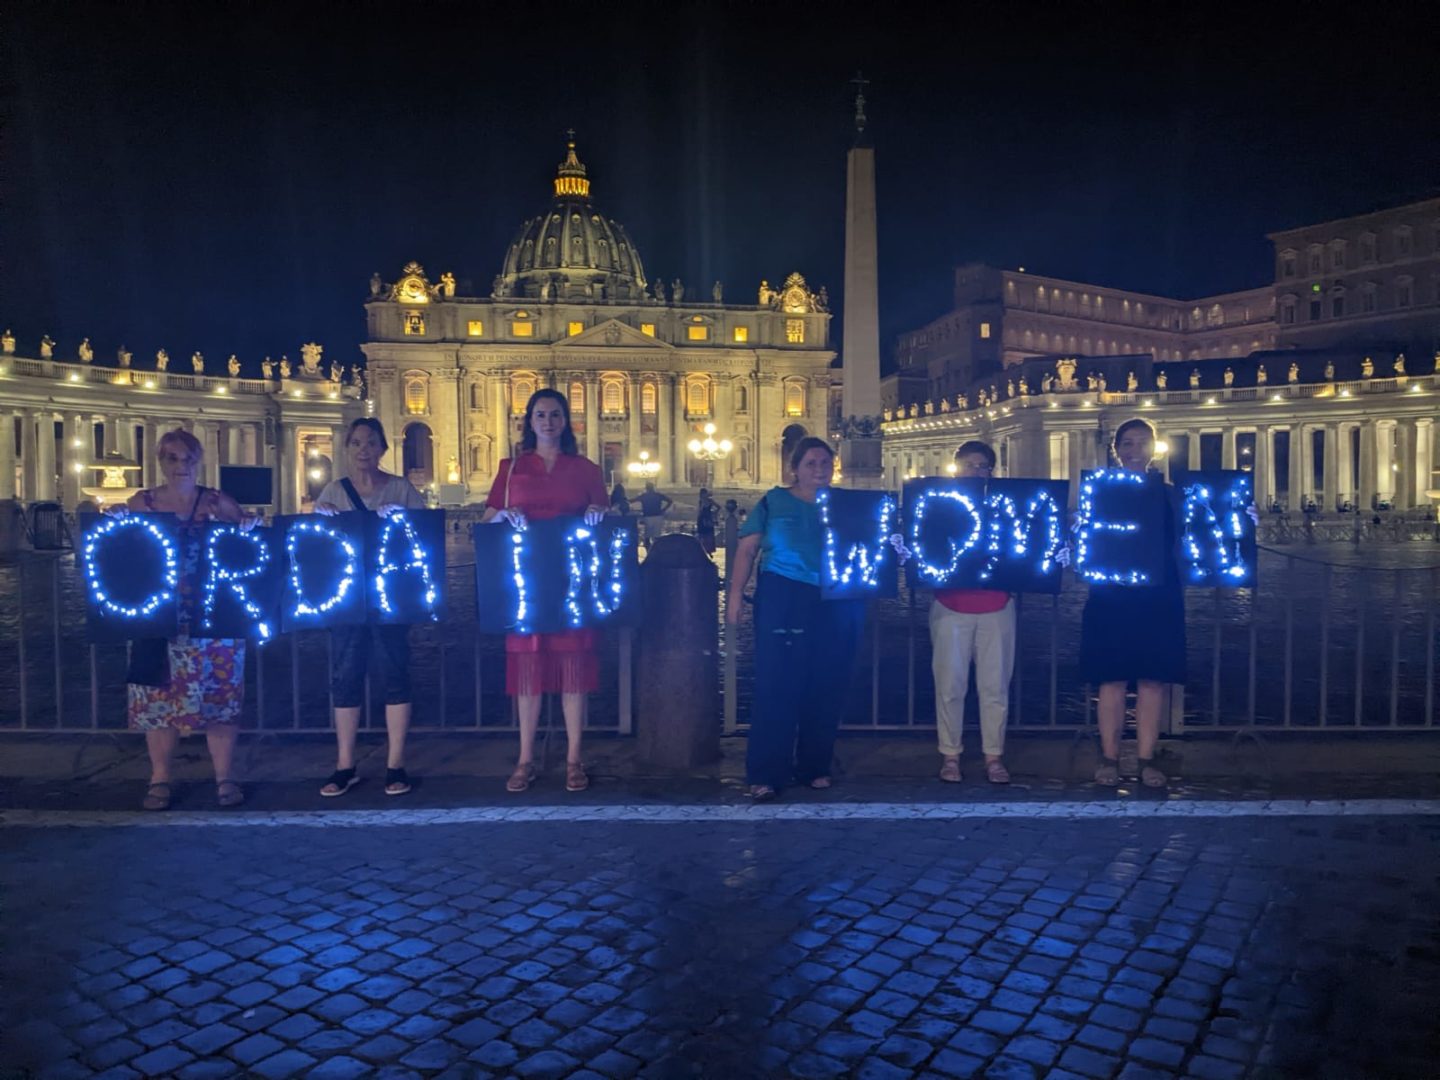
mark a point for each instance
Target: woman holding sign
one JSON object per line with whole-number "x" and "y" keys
{"x": 1134, "y": 634}
{"x": 549, "y": 479}
{"x": 369, "y": 488}
{"x": 189, "y": 683}
{"x": 804, "y": 646}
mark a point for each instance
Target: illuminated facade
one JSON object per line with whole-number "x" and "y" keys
{"x": 643, "y": 366}
{"x": 79, "y": 430}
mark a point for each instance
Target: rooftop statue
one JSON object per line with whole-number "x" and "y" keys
{"x": 499, "y": 286}
{"x": 310, "y": 359}
{"x": 447, "y": 285}
{"x": 337, "y": 371}
{"x": 85, "y": 352}
{"x": 284, "y": 367}
{"x": 659, "y": 290}
{"x": 962, "y": 402}
{"x": 47, "y": 348}
{"x": 677, "y": 290}
{"x": 717, "y": 293}
{"x": 767, "y": 295}
{"x": 1024, "y": 387}
{"x": 123, "y": 357}
{"x": 1260, "y": 377}
{"x": 1367, "y": 367}
{"x": 1010, "y": 388}
{"x": 267, "y": 368}
{"x": 1229, "y": 376}
{"x": 198, "y": 363}
{"x": 822, "y": 299}
{"x": 1131, "y": 382}
{"x": 1400, "y": 364}
{"x": 376, "y": 285}
{"x": 162, "y": 361}
{"x": 1330, "y": 371}
{"x": 1161, "y": 379}
{"x": 944, "y": 404}
{"x": 7, "y": 343}
{"x": 355, "y": 378}
{"x": 1195, "y": 379}
{"x": 1065, "y": 374}
{"x": 1294, "y": 374}
{"x": 233, "y": 366}
{"x": 1100, "y": 383}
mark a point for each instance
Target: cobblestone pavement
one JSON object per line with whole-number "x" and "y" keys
{"x": 1208, "y": 947}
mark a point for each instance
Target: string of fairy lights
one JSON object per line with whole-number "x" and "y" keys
{"x": 418, "y": 560}
{"x": 858, "y": 557}
{"x": 606, "y": 597}
{"x": 110, "y": 528}
{"x": 302, "y": 605}
{"x": 220, "y": 572}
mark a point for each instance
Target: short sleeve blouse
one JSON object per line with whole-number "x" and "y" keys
{"x": 572, "y": 486}
{"x": 790, "y": 536}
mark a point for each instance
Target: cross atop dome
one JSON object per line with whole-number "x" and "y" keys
{"x": 570, "y": 178}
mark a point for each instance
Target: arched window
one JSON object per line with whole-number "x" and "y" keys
{"x": 612, "y": 395}
{"x": 794, "y": 397}
{"x": 522, "y": 386}
{"x": 647, "y": 399}
{"x": 477, "y": 397}
{"x": 577, "y": 398}
{"x": 697, "y": 396}
{"x": 742, "y": 398}
{"x": 417, "y": 394}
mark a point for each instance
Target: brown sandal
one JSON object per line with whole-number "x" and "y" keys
{"x": 521, "y": 778}
{"x": 575, "y": 778}
{"x": 996, "y": 772}
{"x": 950, "y": 770}
{"x": 820, "y": 783}
{"x": 229, "y": 792}
{"x": 154, "y": 799}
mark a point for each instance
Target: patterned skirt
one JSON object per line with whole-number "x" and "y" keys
{"x": 207, "y": 686}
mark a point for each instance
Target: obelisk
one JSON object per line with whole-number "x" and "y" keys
{"x": 860, "y": 349}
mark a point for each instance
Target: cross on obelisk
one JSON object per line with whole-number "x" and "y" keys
{"x": 859, "y": 82}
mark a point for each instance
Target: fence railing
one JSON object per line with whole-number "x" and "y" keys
{"x": 1318, "y": 645}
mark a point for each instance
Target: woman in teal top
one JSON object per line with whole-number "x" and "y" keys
{"x": 804, "y": 646}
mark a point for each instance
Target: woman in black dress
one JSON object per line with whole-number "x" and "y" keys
{"x": 1134, "y": 634}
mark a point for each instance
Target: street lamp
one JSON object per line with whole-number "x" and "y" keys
{"x": 644, "y": 469}
{"x": 710, "y": 451}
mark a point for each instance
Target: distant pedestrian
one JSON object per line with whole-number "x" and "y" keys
{"x": 705, "y": 521}
{"x": 653, "y": 505}
{"x": 619, "y": 501}
{"x": 972, "y": 625}
{"x": 732, "y": 536}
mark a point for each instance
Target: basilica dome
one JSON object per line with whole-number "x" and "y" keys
{"x": 572, "y": 251}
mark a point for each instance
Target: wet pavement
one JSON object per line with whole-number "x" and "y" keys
{"x": 844, "y": 935}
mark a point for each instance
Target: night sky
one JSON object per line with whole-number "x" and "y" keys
{"x": 187, "y": 178}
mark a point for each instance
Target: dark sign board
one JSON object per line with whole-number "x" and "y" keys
{"x": 857, "y": 559}
{"x": 324, "y": 569}
{"x": 405, "y": 566}
{"x": 558, "y": 574}
{"x": 242, "y": 581}
{"x": 1120, "y": 535}
{"x": 1217, "y": 533}
{"x": 131, "y": 569}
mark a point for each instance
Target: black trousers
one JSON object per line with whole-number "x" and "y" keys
{"x": 352, "y": 646}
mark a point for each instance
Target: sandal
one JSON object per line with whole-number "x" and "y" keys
{"x": 1107, "y": 773}
{"x": 575, "y": 778}
{"x": 996, "y": 772}
{"x": 229, "y": 792}
{"x": 762, "y": 792}
{"x": 950, "y": 770}
{"x": 396, "y": 782}
{"x": 341, "y": 781}
{"x": 521, "y": 778}
{"x": 820, "y": 783}
{"x": 154, "y": 799}
{"x": 1150, "y": 776}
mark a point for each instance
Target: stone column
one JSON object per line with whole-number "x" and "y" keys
{"x": 1425, "y": 479}
{"x": 1263, "y": 479}
{"x": 1368, "y": 488}
{"x": 1385, "y": 459}
{"x": 1332, "y": 467}
{"x": 1344, "y": 465}
{"x": 29, "y": 451}
{"x": 500, "y": 424}
{"x": 1227, "y": 448}
{"x": 125, "y": 437}
{"x": 632, "y": 413}
{"x": 592, "y": 417}
{"x": 234, "y": 451}
{"x": 1403, "y": 466}
{"x": 285, "y": 462}
{"x": 7, "y": 454}
{"x": 1296, "y": 496}
{"x": 72, "y": 455}
{"x": 339, "y": 459}
{"x": 45, "y": 455}
{"x": 680, "y": 435}
{"x": 665, "y": 435}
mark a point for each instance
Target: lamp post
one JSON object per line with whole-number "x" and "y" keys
{"x": 710, "y": 451}
{"x": 644, "y": 469}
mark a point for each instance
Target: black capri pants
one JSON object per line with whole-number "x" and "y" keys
{"x": 351, "y": 652}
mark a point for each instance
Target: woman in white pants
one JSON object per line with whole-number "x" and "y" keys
{"x": 972, "y": 625}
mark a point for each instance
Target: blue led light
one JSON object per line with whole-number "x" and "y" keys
{"x": 231, "y": 578}
{"x": 169, "y": 577}
{"x": 347, "y": 578}
{"x": 605, "y": 597}
{"x": 418, "y": 559}
{"x": 1198, "y": 516}
{"x": 859, "y": 555}
{"x": 1009, "y": 531}
{"x": 1089, "y": 526}
{"x": 927, "y": 570}
{"x": 517, "y": 561}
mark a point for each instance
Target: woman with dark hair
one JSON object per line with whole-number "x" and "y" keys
{"x": 804, "y": 646}
{"x": 1134, "y": 634}
{"x": 548, "y": 479}
{"x": 368, "y": 487}
{"x": 619, "y": 501}
{"x": 187, "y": 683}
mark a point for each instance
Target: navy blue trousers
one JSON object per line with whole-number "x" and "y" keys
{"x": 805, "y": 651}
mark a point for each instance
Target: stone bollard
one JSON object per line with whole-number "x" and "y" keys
{"x": 679, "y": 714}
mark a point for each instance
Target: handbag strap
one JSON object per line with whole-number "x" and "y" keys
{"x": 509, "y": 472}
{"x": 355, "y": 499}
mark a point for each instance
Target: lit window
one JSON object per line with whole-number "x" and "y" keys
{"x": 742, "y": 333}
{"x": 577, "y": 397}
{"x": 697, "y": 397}
{"x": 794, "y": 398}
{"x": 475, "y": 328}
{"x": 417, "y": 395}
{"x": 522, "y": 329}
{"x": 648, "y": 329}
{"x": 414, "y": 323}
{"x": 575, "y": 328}
{"x": 795, "y": 331}
{"x": 521, "y": 389}
{"x": 697, "y": 333}
{"x": 647, "y": 399}
{"x": 985, "y": 331}
{"x": 612, "y": 396}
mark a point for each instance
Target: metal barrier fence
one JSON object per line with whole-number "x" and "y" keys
{"x": 1317, "y": 646}
{"x": 61, "y": 683}
{"x": 1320, "y": 645}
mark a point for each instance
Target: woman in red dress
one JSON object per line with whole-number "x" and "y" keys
{"x": 548, "y": 479}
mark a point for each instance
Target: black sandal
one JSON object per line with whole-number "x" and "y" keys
{"x": 1107, "y": 773}
{"x": 396, "y": 782}
{"x": 342, "y": 780}
{"x": 1156, "y": 778}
